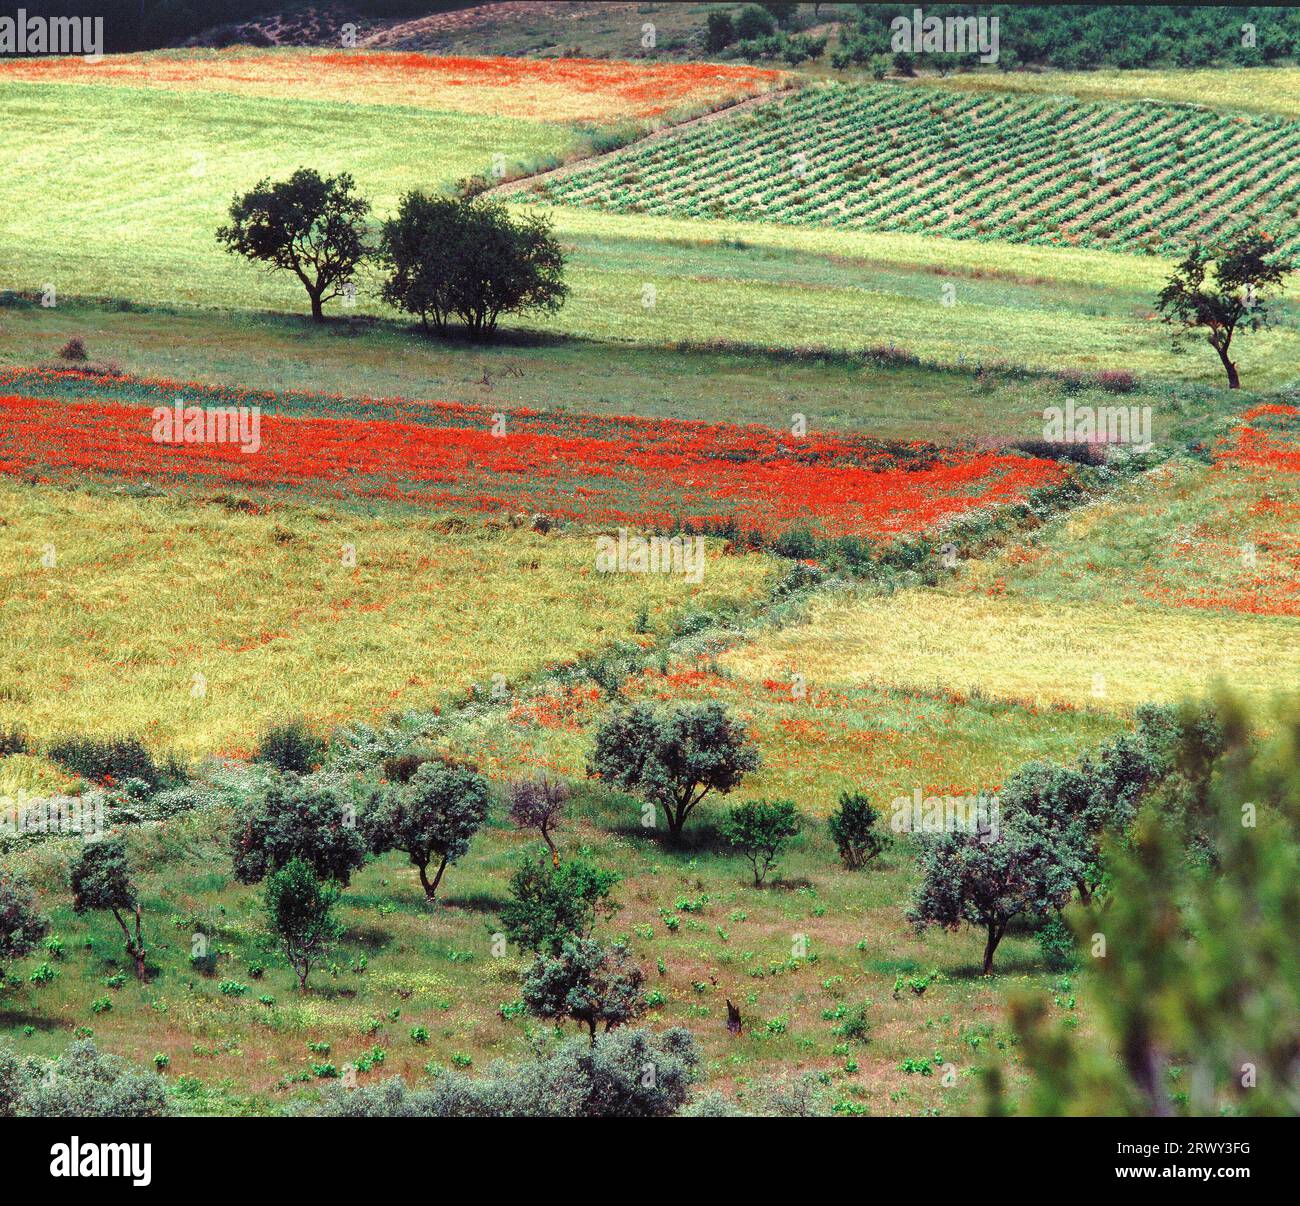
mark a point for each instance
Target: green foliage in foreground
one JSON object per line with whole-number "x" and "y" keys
{"x": 1194, "y": 946}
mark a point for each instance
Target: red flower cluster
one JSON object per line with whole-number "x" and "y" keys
{"x": 641, "y": 473}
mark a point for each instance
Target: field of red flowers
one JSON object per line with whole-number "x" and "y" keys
{"x": 537, "y": 89}
{"x": 644, "y": 473}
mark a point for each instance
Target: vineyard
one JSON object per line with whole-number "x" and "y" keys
{"x": 1138, "y": 178}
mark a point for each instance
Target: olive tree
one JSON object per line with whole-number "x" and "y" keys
{"x": 292, "y": 818}
{"x": 591, "y": 983}
{"x": 673, "y": 758}
{"x": 987, "y": 879}
{"x": 434, "y": 815}
{"x": 550, "y": 904}
{"x": 101, "y": 880}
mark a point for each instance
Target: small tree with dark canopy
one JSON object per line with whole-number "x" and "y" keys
{"x": 760, "y": 831}
{"x": 539, "y": 804}
{"x": 431, "y": 817}
{"x": 310, "y": 225}
{"x": 1243, "y": 273}
{"x": 296, "y": 818}
{"x": 299, "y": 910}
{"x": 550, "y": 904}
{"x": 469, "y": 258}
{"x": 853, "y": 827}
{"x": 985, "y": 881}
{"x": 674, "y": 758}
{"x": 101, "y": 879}
{"x": 22, "y": 926}
{"x": 588, "y": 982}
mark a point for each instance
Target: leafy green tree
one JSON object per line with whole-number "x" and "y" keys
{"x": 720, "y": 31}
{"x": 101, "y": 879}
{"x": 434, "y": 815}
{"x": 1244, "y": 272}
{"x": 549, "y": 904}
{"x": 299, "y": 911}
{"x": 1197, "y": 964}
{"x": 81, "y": 1083}
{"x": 591, "y": 983}
{"x": 760, "y": 831}
{"x": 296, "y": 818}
{"x": 310, "y": 225}
{"x": 22, "y": 925}
{"x": 419, "y": 247}
{"x": 854, "y": 828}
{"x": 674, "y": 758}
{"x": 987, "y": 881}
{"x": 754, "y": 21}
{"x": 470, "y": 258}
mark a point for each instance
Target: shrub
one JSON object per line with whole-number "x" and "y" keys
{"x": 13, "y": 740}
{"x": 761, "y": 830}
{"x": 74, "y": 349}
{"x": 549, "y": 904}
{"x": 290, "y": 746}
{"x": 853, "y": 827}
{"x": 574, "y": 1079}
{"x": 81, "y": 1083}
{"x": 107, "y": 759}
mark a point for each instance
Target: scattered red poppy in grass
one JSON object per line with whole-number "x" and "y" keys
{"x": 656, "y": 474}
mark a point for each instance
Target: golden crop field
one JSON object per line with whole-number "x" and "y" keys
{"x": 1010, "y": 647}
{"x": 194, "y": 625}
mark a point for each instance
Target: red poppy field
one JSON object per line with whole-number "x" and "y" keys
{"x": 579, "y": 469}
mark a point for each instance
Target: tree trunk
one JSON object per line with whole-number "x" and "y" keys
{"x": 431, "y": 889}
{"x": 317, "y": 310}
{"x": 1234, "y": 381}
{"x": 134, "y": 946}
{"x": 994, "y": 937}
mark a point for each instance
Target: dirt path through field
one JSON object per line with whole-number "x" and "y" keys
{"x": 524, "y": 182}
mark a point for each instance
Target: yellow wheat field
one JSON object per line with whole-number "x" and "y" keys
{"x": 193, "y": 625}
{"x": 1043, "y": 652}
